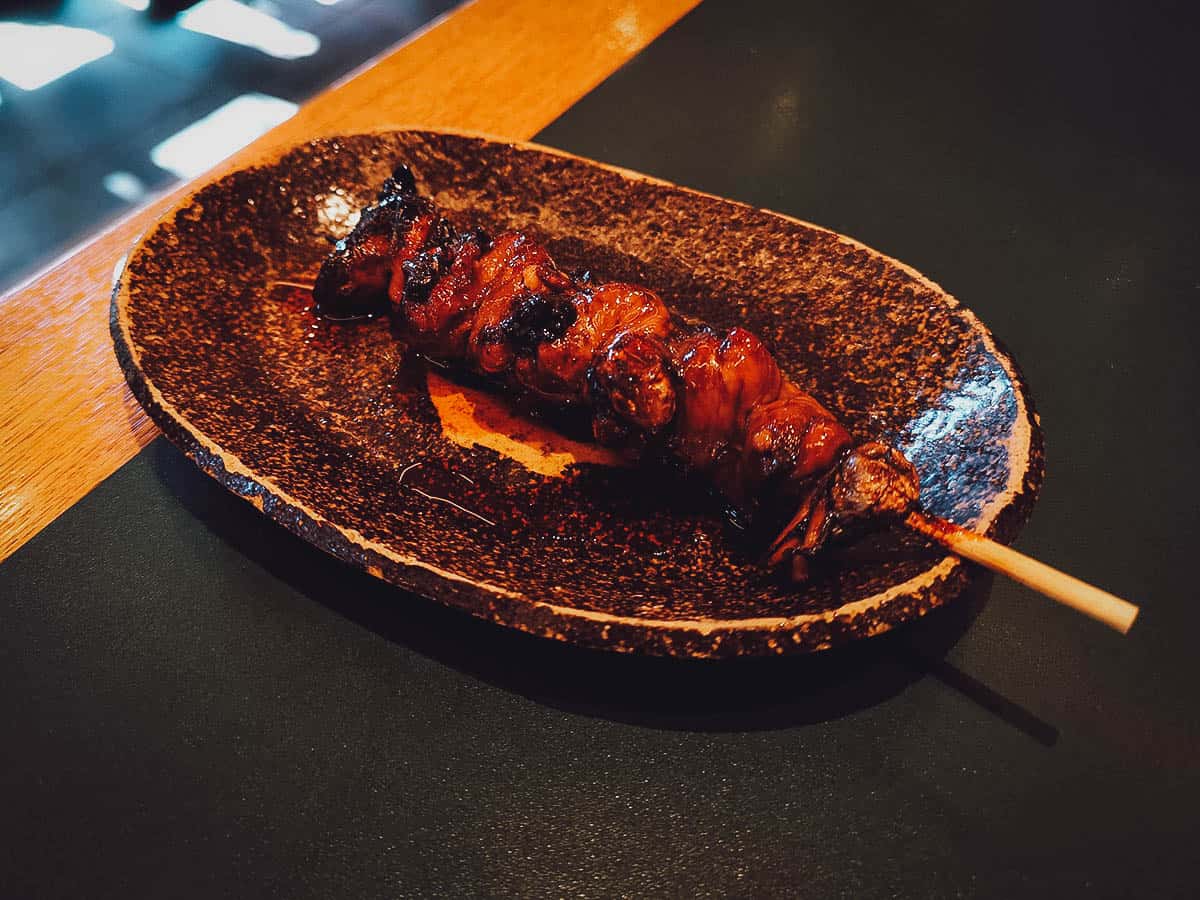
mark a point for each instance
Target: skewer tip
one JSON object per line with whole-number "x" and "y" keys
{"x": 1100, "y": 605}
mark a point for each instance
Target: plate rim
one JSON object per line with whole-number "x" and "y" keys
{"x": 1023, "y": 445}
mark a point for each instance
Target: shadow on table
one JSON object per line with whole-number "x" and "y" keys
{"x": 740, "y": 694}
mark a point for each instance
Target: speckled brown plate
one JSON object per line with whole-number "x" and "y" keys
{"x": 442, "y": 487}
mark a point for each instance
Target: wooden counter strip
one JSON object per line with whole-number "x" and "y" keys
{"x": 504, "y": 67}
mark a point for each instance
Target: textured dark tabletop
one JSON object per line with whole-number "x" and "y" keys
{"x": 197, "y": 704}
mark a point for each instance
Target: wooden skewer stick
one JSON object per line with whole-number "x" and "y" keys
{"x": 1079, "y": 595}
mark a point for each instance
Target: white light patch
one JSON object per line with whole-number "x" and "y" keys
{"x": 337, "y": 212}
{"x": 118, "y": 269}
{"x": 125, "y": 185}
{"x": 35, "y": 55}
{"x": 207, "y": 141}
{"x": 240, "y": 24}
{"x": 137, "y": 5}
{"x": 626, "y": 28}
{"x": 954, "y": 413}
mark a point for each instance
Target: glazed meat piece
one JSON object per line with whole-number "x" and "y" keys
{"x": 741, "y": 420}
{"x": 715, "y": 402}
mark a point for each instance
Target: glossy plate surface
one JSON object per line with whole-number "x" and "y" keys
{"x": 443, "y": 487}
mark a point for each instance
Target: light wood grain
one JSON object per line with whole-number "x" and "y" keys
{"x": 504, "y": 67}
{"x": 1102, "y": 606}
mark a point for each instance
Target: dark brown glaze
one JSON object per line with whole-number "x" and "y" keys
{"x": 715, "y": 404}
{"x": 330, "y": 431}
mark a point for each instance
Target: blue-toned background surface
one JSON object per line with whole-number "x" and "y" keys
{"x": 59, "y": 142}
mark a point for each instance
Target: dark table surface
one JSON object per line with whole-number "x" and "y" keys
{"x": 196, "y": 703}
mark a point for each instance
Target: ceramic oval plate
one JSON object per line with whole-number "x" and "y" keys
{"x": 443, "y": 487}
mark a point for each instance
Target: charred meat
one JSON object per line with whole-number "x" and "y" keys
{"x": 653, "y": 383}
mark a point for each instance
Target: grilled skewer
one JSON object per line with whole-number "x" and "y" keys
{"x": 654, "y": 383}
